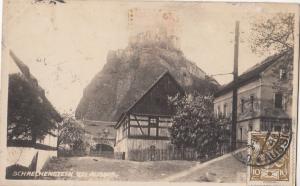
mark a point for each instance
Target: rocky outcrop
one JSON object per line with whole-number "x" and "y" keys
{"x": 128, "y": 73}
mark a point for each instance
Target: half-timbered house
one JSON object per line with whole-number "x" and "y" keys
{"x": 146, "y": 123}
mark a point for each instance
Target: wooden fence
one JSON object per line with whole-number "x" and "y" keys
{"x": 80, "y": 153}
{"x": 175, "y": 154}
{"x": 151, "y": 154}
{"x": 162, "y": 154}
{"x": 106, "y": 154}
{"x": 71, "y": 153}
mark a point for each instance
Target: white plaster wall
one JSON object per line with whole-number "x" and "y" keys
{"x": 24, "y": 156}
{"x": 245, "y": 91}
{"x": 43, "y": 157}
{"x": 20, "y": 155}
{"x": 221, "y": 100}
{"x": 268, "y": 80}
{"x": 245, "y": 128}
{"x": 48, "y": 140}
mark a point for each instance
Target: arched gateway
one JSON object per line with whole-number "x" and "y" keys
{"x": 102, "y": 137}
{"x": 103, "y": 147}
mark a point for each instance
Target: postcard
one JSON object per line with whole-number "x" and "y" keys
{"x": 150, "y": 92}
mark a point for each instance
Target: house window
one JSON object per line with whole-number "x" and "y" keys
{"x": 153, "y": 126}
{"x": 242, "y": 105}
{"x": 278, "y": 100}
{"x": 250, "y": 127}
{"x": 252, "y": 102}
{"x": 225, "y": 109}
{"x": 241, "y": 133}
{"x": 282, "y": 74}
{"x": 218, "y": 111}
{"x": 266, "y": 126}
{"x": 153, "y": 122}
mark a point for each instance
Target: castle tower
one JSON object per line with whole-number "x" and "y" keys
{"x": 152, "y": 25}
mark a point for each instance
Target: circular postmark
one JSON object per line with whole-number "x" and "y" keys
{"x": 264, "y": 148}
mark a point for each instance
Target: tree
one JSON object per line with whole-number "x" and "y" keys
{"x": 30, "y": 114}
{"x": 195, "y": 125}
{"x": 71, "y": 132}
{"x": 273, "y": 34}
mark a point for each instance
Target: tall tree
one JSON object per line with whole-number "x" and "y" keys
{"x": 273, "y": 34}
{"x": 30, "y": 114}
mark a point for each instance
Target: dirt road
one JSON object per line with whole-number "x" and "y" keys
{"x": 118, "y": 170}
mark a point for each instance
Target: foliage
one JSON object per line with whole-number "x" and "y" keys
{"x": 196, "y": 126}
{"x": 276, "y": 34}
{"x": 71, "y": 132}
{"x": 273, "y": 34}
{"x": 30, "y": 115}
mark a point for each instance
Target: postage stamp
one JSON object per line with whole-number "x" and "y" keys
{"x": 265, "y": 148}
{"x": 272, "y": 155}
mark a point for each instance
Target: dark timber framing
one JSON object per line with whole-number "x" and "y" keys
{"x": 142, "y": 120}
{"x": 127, "y": 123}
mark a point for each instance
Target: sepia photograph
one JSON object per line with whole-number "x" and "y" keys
{"x": 149, "y": 91}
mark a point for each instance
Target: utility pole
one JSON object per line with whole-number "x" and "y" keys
{"x": 234, "y": 90}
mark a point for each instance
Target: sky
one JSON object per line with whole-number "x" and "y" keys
{"x": 65, "y": 45}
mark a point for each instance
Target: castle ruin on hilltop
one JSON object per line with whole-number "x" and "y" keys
{"x": 153, "y": 27}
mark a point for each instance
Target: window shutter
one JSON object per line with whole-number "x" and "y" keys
{"x": 278, "y": 100}
{"x": 274, "y": 104}
{"x": 283, "y": 102}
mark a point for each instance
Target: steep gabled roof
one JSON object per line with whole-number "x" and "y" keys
{"x": 166, "y": 73}
{"x": 251, "y": 74}
{"x": 152, "y": 86}
{"x": 34, "y": 84}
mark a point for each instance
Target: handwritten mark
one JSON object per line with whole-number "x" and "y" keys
{"x": 42, "y": 60}
{"x": 50, "y": 1}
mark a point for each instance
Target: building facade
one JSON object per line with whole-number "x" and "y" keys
{"x": 146, "y": 123}
{"x": 264, "y": 98}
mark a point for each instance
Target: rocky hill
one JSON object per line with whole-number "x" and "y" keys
{"x": 129, "y": 72}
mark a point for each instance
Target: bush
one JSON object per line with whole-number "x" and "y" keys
{"x": 195, "y": 125}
